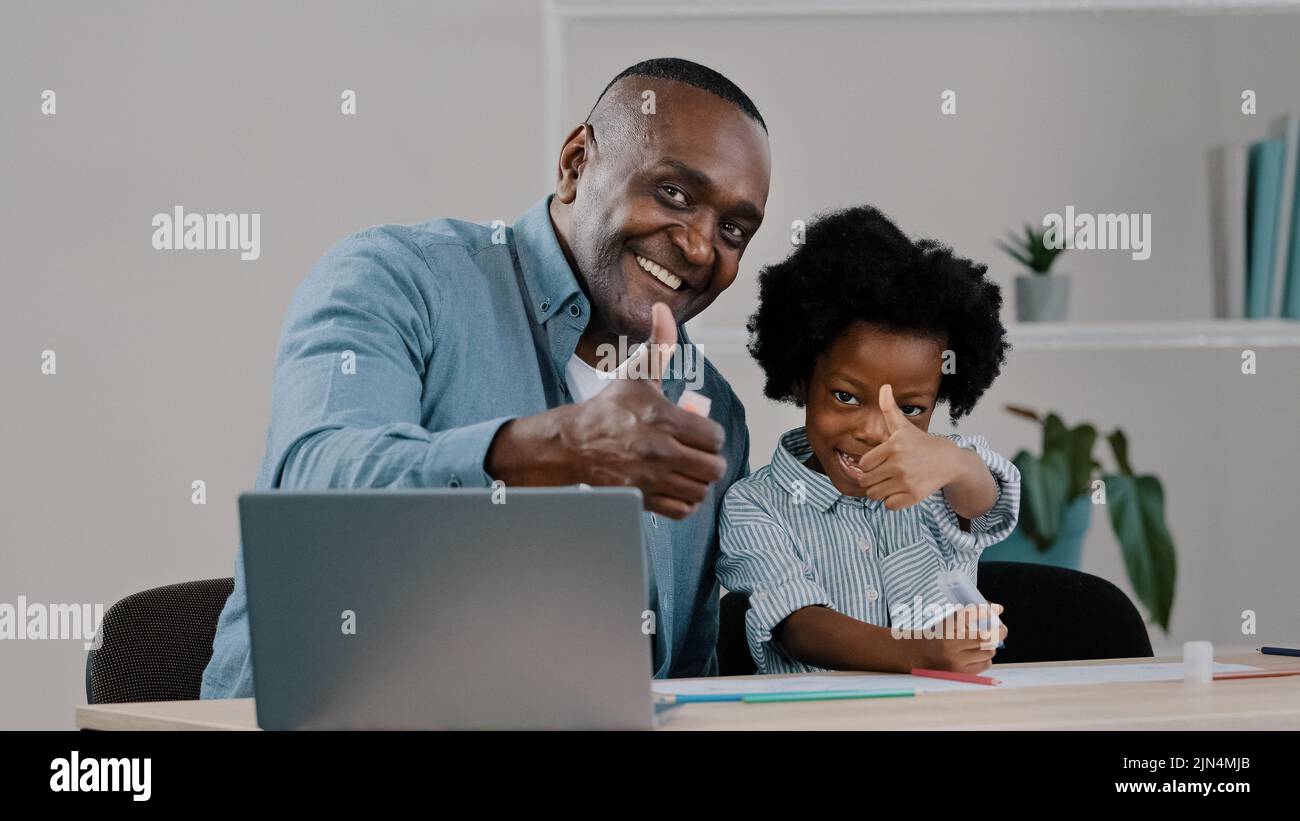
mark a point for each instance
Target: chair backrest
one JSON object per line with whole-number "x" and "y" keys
{"x": 733, "y": 646}
{"x": 1058, "y": 614}
{"x": 1052, "y": 614}
{"x": 154, "y": 645}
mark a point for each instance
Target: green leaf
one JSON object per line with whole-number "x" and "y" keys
{"x": 1032, "y": 497}
{"x": 1017, "y": 254}
{"x": 1136, "y": 506}
{"x": 1056, "y": 487}
{"x": 1119, "y": 446}
{"x": 1043, "y": 486}
{"x": 1031, "y": 250}
{"x": 1082, "y": 439}
{"x": 1056, "y": 437}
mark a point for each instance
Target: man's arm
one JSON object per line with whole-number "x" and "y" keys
{"x": 363, "y": 427}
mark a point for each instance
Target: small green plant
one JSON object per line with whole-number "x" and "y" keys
{"x": 1065, "y": 472}
{"x": 1031, "y": 250}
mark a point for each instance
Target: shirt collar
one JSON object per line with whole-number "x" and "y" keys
{"x": 788, "y": 467}
{"x": 552, "y": 283}
{"x": 550, "y": 278}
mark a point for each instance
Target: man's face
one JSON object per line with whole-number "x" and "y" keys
{"x": 663, "y": 211}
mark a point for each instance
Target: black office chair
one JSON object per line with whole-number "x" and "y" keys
{"x": 1053, "y": 614}
{"x": 154, "y": 645}
{"x": 1057, "y": 614}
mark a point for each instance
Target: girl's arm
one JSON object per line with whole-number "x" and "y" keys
{"x": 824, "y": 638}
{"x": 974, "y": 491}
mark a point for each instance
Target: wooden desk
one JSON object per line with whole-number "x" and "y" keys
{"x": 1252, "y": 704}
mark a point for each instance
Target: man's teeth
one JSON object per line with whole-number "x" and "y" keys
{"x": 659, "y": 272}
{"x": 848, "y": 461}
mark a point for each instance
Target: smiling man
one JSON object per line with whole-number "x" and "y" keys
{"x": 452, "y": 354}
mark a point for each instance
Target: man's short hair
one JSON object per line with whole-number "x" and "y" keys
{"x": 693, "y": 74}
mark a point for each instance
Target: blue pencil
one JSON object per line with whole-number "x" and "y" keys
{"x": 692, "y": 698}
{"x": 1279, "y": 651}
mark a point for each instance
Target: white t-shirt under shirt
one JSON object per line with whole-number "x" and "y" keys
{"x": 586, "y": 381}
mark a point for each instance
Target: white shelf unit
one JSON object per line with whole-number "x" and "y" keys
{"x": 1170, "y": 334}
{"x": 1095, "y": 336}
{"x": 605, "y": 9}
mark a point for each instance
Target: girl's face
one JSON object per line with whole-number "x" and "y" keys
{"x": 842, "y": 416}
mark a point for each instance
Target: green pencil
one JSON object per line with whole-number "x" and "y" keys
{"x": 825, "y": 695}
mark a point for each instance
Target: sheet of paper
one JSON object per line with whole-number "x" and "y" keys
{"x": 1010, "y": 677}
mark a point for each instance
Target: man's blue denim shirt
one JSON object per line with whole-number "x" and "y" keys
{"x": 454, "y": 334}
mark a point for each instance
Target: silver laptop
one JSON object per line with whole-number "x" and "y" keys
{"x": 411, "y": 609}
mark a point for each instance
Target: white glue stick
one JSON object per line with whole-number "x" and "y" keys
{"x": 1198, "y": 662}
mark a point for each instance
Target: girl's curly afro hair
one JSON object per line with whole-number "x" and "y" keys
{"x": 855, "y": 265}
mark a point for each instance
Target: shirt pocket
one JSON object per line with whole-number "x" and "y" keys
{"x": 910, "y": 577}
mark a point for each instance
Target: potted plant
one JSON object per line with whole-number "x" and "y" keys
{"x": 1040, "y": 296}
{"x": 1057, "y": 492}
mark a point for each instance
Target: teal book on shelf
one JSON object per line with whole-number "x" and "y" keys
{"x": 1287, "y": 127}
{"x": 1291, "y": 292}
{"x": 1291, "y": 299}
{"x": 1267, "y": 159}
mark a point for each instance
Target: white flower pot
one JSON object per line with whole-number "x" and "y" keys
{"x": 1042, "y": 297}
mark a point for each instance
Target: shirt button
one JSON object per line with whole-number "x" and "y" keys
{"x": 654, "y": 520}
{"x": 864, "y": 544}
{"x": 872, "y": 594}
{"x": 575, "y": 310}
{"x": 545, "y": 306}
{"x": 454, "y": 481}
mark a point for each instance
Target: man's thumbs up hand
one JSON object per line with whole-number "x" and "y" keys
{"x": 630, "y": 434}
{"x": 651, "y": 362}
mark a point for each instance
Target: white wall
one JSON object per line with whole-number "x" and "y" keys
{"x": 1110, "y": 113}
{"x": 164, "y": 361}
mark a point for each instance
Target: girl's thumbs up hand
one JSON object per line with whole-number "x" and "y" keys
{"x": 894, "y": 418}
{"x": 910, "y": 464}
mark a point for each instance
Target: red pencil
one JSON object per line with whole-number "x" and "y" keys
{"x": 944, "y": 674}
{"x": 1264, "y": 674}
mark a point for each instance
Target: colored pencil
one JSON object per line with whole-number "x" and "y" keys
{"x": 944, "y": 674}
{"x": 1261, "y": 674}
{"x": 695, "y": 698}
{"x": 795, "y": 695}
{"x": 1279, "y": 651}
{"x": 825, "y": 695}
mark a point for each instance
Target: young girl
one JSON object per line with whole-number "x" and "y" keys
{"x": 842, "y": 537}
